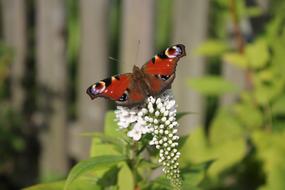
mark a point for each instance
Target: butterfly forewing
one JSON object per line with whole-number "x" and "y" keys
{"x": 119, "y": 88}
{"x": 112, "y": 88}
{"x": 160, "y": 70}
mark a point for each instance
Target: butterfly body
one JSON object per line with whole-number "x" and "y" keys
{"x": 152, "y": 79}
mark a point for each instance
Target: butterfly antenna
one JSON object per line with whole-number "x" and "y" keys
{"x": 113, "y": 59}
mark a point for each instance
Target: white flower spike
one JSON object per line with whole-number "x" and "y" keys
{"x": 157, "y": 117}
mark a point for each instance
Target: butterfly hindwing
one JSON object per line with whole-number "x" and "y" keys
{"x": 160, "y": 70}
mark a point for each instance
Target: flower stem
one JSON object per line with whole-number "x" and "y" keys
{"x": 133, "y": 164}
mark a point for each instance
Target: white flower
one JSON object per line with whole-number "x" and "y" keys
{"x": 135, "y": 134}
{"x": 158, "y": 117}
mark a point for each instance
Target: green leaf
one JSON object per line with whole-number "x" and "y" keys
{"x": 104, "y": 144}
{"x": 179, "y": 115}
{"x": 91, "y": 164}
{"x": 271, "y": 151}
{"x": 86, "y": 183}
{"x": 110, "y": 178}
{"x": 212, "y": 48}
{"x": 125, "y": 178}
{"x": 225, "y": 128}
{"x": 257, "y": 54}
{"x": 50, "y": 186}
{"x": 100, "y": 149}
{"x": 111, "y": 127}
{"x": 236, "y": 59}
{"x": 182, "y": 140}
{"x": 193, "y": 175}
{"x": 212, "y": 85}
{"x": 197, "y": 149}
{"x": 249, "y": 115}
{"x": 161, "y": 183}
{"x": 278, "y": 106}
{"x": 253, "y": 11}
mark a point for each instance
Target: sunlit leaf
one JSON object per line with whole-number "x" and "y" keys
{"x": 50, "y": 186}
{"x": 236, "y": 59}
{"x": 278, "y": 106}
{"x": 257, "y": 54}
{"x": 110, "y": 127}
{"x": 271, "y": 150}
{"x": 224, "y": 128}
{"x": 212, "y": 48}
{"x": 197, "y": 149}
{"x": 250, "y": 116}
{"x": 80, "y": 184}
{"x": 212, "y": 85}
{"x": 91, "y": 164}
{"x": 100, "y": 149}
{"x": 125, "y": 178}
{"x": 114, "y": 144}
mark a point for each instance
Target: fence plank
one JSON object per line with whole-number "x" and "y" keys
{"x": 190, "y": 28}
{"x": 137, "y": 33}
{"x": 14, "y": 31}
{"x": 93, "y": 67}
{"x": 52, "y": 83}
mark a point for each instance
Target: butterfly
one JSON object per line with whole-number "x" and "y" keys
{"x": 153, "y": 78}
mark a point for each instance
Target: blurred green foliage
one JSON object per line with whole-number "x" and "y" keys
{"x": 246, "y": 137}
{"x": 11, "y": 135}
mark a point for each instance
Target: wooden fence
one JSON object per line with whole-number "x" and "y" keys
{"x": 60, "y": 138}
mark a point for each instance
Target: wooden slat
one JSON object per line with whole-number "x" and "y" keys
{"x": 52, "y": 83}
{"x": 137, "y": 34}
{"x": 190, "y": 28}
{"x": 14, "y": 31}
{"x": 93, "y": 66}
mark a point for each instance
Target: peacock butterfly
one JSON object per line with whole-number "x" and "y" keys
{"x": 152, "y": 79}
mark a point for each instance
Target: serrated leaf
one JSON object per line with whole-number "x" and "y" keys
{"x": 91, "y": 164}
{"x": 212, "y": 85}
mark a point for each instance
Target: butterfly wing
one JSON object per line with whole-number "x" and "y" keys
{"x": 160, "y": 70}
{"x": 120, "y": 88}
